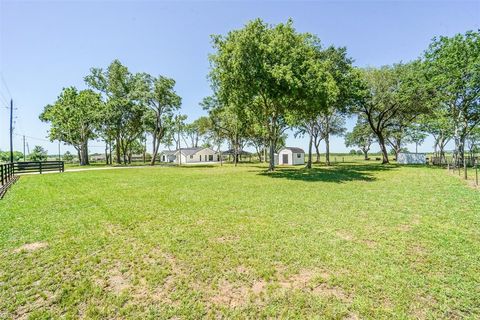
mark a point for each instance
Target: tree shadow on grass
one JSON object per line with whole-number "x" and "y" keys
{"x": 336, "y": 173}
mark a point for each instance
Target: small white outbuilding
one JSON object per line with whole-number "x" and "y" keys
{"x": 411, "y": 158}
{"x": 291, "y": 156}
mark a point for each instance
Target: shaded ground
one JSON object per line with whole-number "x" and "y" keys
{"x": 353, "y": 241}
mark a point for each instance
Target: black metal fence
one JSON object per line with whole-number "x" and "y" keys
{"x": 38, "y": 166}
{"x": 6, "y": 173}
{"x": 7, "y": 177}
{"x": 9, "y": 171}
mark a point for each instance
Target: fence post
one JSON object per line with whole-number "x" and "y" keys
{"x": 476, "y": 172}
{"x": 62, "y": 167}
{"x": 40, "y": 167}
{"x": 1, "y": 169}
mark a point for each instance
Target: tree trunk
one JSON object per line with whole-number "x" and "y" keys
{"x": 79, "y": 155}
{"x": 327, "y": 149}
{"x": 365, "y": 154}
{"x": 106, "y": 153}
{"x": 381, "y": 142}
{"x": 235, "y": 152}
{"x": 117, "y": 150}
{"x": 84, "y": 154}
{"x": 309, "y": 162}
{"x": 156, "y": 145}
{"x": 110, "y": 152}
{"x": 271, "y": 165}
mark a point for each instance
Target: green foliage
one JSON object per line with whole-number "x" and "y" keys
{"x": 74, "y": 118}
{"x": 361, "y": 136}
{"x": 67, "y": 157}
{"x": 266, "y": 73}
{"x": 5, "y": 156}
{"x": 38, "y": 154}
{"x": 391, "y": 98}
{"x": 124, "y": 116}
{"x": 453, "y": 68}
{"x": 160, "y": 96}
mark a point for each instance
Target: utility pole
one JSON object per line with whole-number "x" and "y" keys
{"x": 178, "y": 138}
{"x": 11, "y": 130}
{"x": 24, "y": 148}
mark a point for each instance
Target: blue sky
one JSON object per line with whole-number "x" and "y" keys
{"x": 45, "y": 46}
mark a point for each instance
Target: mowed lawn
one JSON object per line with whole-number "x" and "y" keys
{"x": 353, "y": 241}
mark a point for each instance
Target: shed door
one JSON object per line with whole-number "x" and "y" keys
{"x": 285, "y": 158}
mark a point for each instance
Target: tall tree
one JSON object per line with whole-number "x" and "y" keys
{"x": 38, "y": 154}
{"x": 473, "y": 142}
{"x": 125, "y": 110}
{"x": 416, "y": 135}
{"x": 440, "y": 127}
{"x": 389, "y": 94}
{"x": 229, "y": 123}
{"x": 361, "y": 137}
{"x": 262, "y": 69}
{"x": 196, "y": 130}
{"x": 74, "y": 118}
{"x": 340, "y": 94}
{"x": 162, "y": 100}
{"x": 331, "y": 123}
{"x": 453, "y": 68}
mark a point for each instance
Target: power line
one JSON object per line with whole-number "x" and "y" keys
{"x": 3, "y": 99}
{"x": 34, "y": 138}
{"x": 6, "y": 86}
{"x": 50, "y": 141}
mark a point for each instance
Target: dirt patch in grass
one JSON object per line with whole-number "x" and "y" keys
{"x": 307, "y": 280}
{"x": 258, "y": 286}
{"x": 31, "y": 247}
{"x": 369, "y": 243}
{"x": 409, "y": 226}
{"x": 227, "y": 239}
{"x": 418, "y": 310}
{"x": 345, "y": 235}
{"x": 230, "y": 295}
{"x": 41, "y": 301}
{"x": 118, "y": 282}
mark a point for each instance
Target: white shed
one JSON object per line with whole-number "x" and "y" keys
{"x": 291, "y": 156}
{"x": 411, "y": 158}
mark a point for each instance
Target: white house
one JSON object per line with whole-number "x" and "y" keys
{"x": 167, "y": 156}
{"x": 411, "y": 158}
{"x": 291, "y": 156}
{"x": 196, "y": 155}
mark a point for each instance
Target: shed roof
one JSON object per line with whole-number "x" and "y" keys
{"x": 293, "y": 149}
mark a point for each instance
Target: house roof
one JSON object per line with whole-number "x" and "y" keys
{"x": 168, "y": 152}
{"x": 191, "y": 151}
{"x": 293, "y": 149}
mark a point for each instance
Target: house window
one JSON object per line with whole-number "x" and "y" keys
{"x": 299, "y": 155}
{"x": 191, "y": 156}
{"x": 210, "y": 157}
{"x": 200, "y": 158}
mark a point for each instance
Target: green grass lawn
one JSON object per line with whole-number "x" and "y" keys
{"x": 353, "y": 241}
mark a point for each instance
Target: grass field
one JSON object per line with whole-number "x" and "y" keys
{"x": 353, "y": 241}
